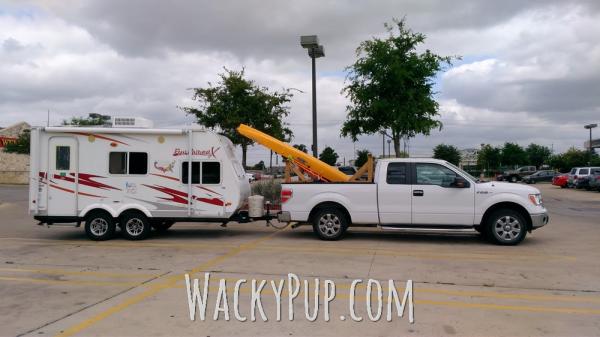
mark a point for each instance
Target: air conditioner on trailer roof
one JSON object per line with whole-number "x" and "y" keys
{"x": 131, "y": 122}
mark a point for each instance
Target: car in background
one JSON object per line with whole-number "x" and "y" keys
{"x": 560, "y": 180}
{"x": 594, "y": 180}
{"x": 539, "y": 176}
{"x": 347, "y": 170}
{"x": 516, "y": 175}
{"x": 250, "y": 177}
{"x": 583, "y": 183}
{"x": 579, "y": 172}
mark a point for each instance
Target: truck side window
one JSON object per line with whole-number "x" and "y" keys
{"x": 434, "y": 174}
{"x": 63, "y": 157}
{"x": 195, "y": 172}
{"x": 117, "y": 163}
{"x": 396, "y": 173}
{"x": 138, "y": 163}
{"x": 211, "y": 172}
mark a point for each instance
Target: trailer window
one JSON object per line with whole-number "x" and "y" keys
{"x": 195, "y": 172}
{"x": 63, "y": 157}
{"x": 396, "y": 173}
{"x": 117, "y": 163}
{"x": 138, "y": 163}
{"x": 211, "y": 172}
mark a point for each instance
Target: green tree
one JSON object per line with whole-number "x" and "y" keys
{"x": 259, "y": 166}
{"x": 361, "y": 157}
{"x": 21, "y": 145}
{"x": 448, "y": 153}
{"x": 513, "y": 154}
{"x": 236, "y": 100}
{"x": 489, "y": 157}
{"x": 564, "y": 162}
{"x": 328, "y": 156}
{"x": 538, "y": 154}
{"x": 301, "y": 147}
{"x": 391, "y": 86}
{"x": 92, "y": 119}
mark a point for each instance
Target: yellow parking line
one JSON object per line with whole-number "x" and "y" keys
{"x": 169, "y": 282}
{"x": 74, "y": 282}
{"x": 70, "y": 272}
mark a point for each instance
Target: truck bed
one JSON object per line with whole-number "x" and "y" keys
{"x": 360, "y": 199}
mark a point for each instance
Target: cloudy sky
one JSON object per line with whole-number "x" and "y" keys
{"x": 530, "y": 71}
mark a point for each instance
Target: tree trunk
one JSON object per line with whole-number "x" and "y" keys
{"x": 396, "y": 139}
{"x": 244, "y": 150}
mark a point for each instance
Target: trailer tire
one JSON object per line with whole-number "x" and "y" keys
{"x": 162, "y": 226}
{"x": 135, "y": 225}
{"x": 99, "y": 226}
{"x": 330, "y": 224}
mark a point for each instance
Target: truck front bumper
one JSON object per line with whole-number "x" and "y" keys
{"x": 539, "y": 220}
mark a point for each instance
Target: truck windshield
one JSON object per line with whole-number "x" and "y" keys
{"x": 464, "y": 173}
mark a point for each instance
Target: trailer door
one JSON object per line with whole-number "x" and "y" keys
{"x": 62, "y": 176}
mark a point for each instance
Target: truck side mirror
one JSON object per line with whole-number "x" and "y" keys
{"x": 460, "y": 182}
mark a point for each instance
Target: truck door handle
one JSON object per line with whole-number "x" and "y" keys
{"x": 418, "y": 193}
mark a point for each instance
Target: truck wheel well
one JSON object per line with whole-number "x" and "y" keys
{"x": 329, "y": 204}
{"x": 509, "y": 205}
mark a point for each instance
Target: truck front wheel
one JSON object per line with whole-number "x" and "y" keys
{"x": 330, "y": 224}
{"x": 506, "y": 227}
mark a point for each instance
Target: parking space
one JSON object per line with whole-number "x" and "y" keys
{"x": 56, "y": 282}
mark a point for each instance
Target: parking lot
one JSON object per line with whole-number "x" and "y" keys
{"x": 56, "y": 282}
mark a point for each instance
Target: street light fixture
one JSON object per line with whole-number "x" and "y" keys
{"x": 315, "y": 50}
{"x": 590, "y": 127}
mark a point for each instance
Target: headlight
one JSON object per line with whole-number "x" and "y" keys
{"x": 536, "y": 199}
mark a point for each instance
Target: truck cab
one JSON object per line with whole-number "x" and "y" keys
{"x": 416, "y": 193}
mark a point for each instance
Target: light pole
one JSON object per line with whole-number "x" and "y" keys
{"x": 590, "y": 127}
{"x": 315, "y": 50}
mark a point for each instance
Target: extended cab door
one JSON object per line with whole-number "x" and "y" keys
{"x": 437, "y": 198}
{"x": 394, "y": 194}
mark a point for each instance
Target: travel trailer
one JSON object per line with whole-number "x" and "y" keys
{"x": 134, "y": 176}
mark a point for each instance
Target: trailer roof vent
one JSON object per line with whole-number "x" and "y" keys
{"x": 131, "y": 122}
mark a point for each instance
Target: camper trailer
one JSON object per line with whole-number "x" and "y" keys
{"x": 131, "y": 175}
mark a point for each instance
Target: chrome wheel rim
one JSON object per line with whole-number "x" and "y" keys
{"x": 507, "y": 228}
{"x": 134, "y": 227}
{"x": 330, "y": 224}
{"x": 99, "y": 227}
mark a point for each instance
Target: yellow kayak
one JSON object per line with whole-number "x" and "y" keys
{"x": 308, "y": 163}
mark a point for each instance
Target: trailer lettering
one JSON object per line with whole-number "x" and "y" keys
{"x": 210, "y": 153}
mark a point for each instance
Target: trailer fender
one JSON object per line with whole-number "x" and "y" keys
{"x": 84, "y": 212}
{"x": 129, "y": 207}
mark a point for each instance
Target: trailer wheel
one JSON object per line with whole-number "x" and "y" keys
{"x": 135, "y": 226}
{"x": 99, "y": 226}
{"x": 330, "y": 224}
{"x": 162, "y": 226}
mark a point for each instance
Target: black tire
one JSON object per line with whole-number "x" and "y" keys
{"x": 330, "y": 224}
{"x": 506, "y": 227}
{"x": 100, "y": 226}
{"x": 162, "y": 226}
{"x": 135, "y": 226}
{"x": 514, "y": 179}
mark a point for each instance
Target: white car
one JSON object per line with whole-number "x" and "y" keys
{"x": 250, "y": 177}
{"x": 417, "y": 193}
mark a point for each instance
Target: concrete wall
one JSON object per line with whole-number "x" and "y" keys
{"x": 14, "y": 168}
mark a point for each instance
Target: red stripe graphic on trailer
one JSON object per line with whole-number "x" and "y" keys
{"x": 208, "y": 189}
{"x": 176, "y": 196}
{"x": 164, "y": 176}
{"x": 79, "y": 193}
{"x": 182, "y": 197}
{"x": 87, "y": 179}
{"x": 100, "y": 137}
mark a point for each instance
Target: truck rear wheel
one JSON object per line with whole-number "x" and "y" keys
{"x": 100, "y": 226}
{"x": 135, "y": 226}
{"x": 330, "y": 224}
{"x": 506, "y": 227}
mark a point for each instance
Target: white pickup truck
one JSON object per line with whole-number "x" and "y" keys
{"x": 417, "y": 193}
